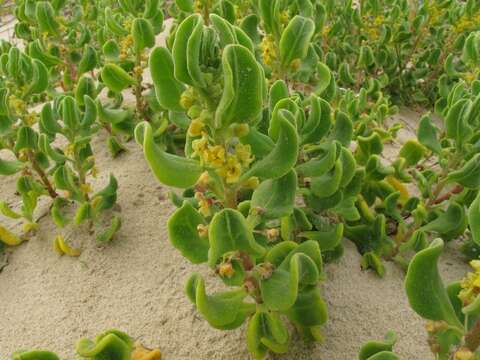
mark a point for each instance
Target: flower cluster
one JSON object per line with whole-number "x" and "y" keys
{"x": 471, "y": 284}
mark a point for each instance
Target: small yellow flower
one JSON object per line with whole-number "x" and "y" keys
{"x": 470, "y": 284}
{"x": 252, "y": 183}
{"x": 226, "y": 270}
{"x": 203, "y": 204}
{"x": 216, "y": 156}
{"x": 464, "y": 354}
{"x": 86, "y": 188}
{"x": 200, "y": 146}
{"x": 202, "y": 230}
{"x": 203, "y": 179}
{"x": 284, "y": 17}
{"x": 269, "y": 52}
{"x": 273, "y": 234}
{"x": 142, "y": 353}
{"x": 231, "y": 170}
{"x": 69, "y": 150}
{"x": 244, "y": 154}
{"x": 186, "y": 100}
{"x": 196, "y": 127}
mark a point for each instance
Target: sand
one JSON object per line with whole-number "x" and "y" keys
{"x": 136, "y": 284}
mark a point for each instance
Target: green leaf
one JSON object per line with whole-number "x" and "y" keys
{"x": 412, "y": 152}
{"x": 171, "y": 170}
{"x": 280, "y": 290}
{"x": 343, "y": 129}
{"x": 449, "y": 223}
{"x": 243, "y": 87}
{"x": 319, "y": 166}
{"x": 427, "y": 134}
{"x": 278, "y": 91}
{"x": 329, "y": 183}
{"x": 110, "y": 231}
{"x": 143, "y": 35}
{"x": 425, "y": 290}
{"x": 295, "y": 39}
{"x": 10, "y": 167}
{"x": 39, "y": 81}
{"x": 27, "y": 138}
{"x": 308, "y": 312}
{"x": 89, "y": 60}
{"x": 276, "y": 197}
{"x": 167, "y": 89}
{"x": 186, "y": 51}
{"x": 474, "y": 219}
{"x": 326, "y": 239}
{"x": 374, "y": 347}
{"x": 266, "y": 331}
{"x": 115, "y": 78}
{"x": 183, "y": 233}
{"x": 111, "y": 345}
{"x": 229, "y": 231}
{"x": 35, "y": 355}
{"x": 468, "y": 175}
{"x": 319, "y": 121}
{"x": 282, "y": 157}
{"x": 45, "y": 16}
{"x": 224, "y": 310}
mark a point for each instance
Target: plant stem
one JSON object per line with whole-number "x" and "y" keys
{"x": 43, "y": 177}
{"x": 230, "y": 197}
{"x": 138, "y": 88}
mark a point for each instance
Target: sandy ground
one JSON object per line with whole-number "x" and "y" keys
{"x": 136, "y": 284}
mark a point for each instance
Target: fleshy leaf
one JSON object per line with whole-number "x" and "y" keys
{"x": 425, "y": 290}
{"x": 183, "y": 233}
{"x": 229, "y": 231}
{"x": 171, "y": 170}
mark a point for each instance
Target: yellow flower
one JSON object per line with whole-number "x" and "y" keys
{"x": 464, "y": 354}
{"x": 203, "y": 179}
{"x": 200, "y": 146}
{"x": 226, "y": 270}
{"x": 231, "y": 170}
{"x": 252, "y": 183}
{"x": 86, "y": 188}
{"x": 284, "y": 17}
{"x": 69, "y": 150}
{"x": 216, "y": 156}
{"x": 273, "y": 234}
{"x": 202, "y": 230}
{"x": 203, "y": 203}
{"x": 142, "y": 353}
{"x": 186, "y": 100}
{"x": 470, "y": 284}
{"x": 195, "y": 128}
{"x": 269, "y": 53}
{"x": 244, "y": 154}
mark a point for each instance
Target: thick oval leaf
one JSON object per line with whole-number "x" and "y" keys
{"x": 276, "y": 197}
{"x": 183, "y": 233}
{"x": 115, "y": 78}
{"x": 171, "y": 170}
{"x": 224, "y": 310}
{"x": 243, "y": 87}
{"x": 282, "y": 157}
{"x": 425, "y": 290}
{"x": 296, "y": 39}
{"x": 229, "y": 231}
{"x": 167, "y": 89}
